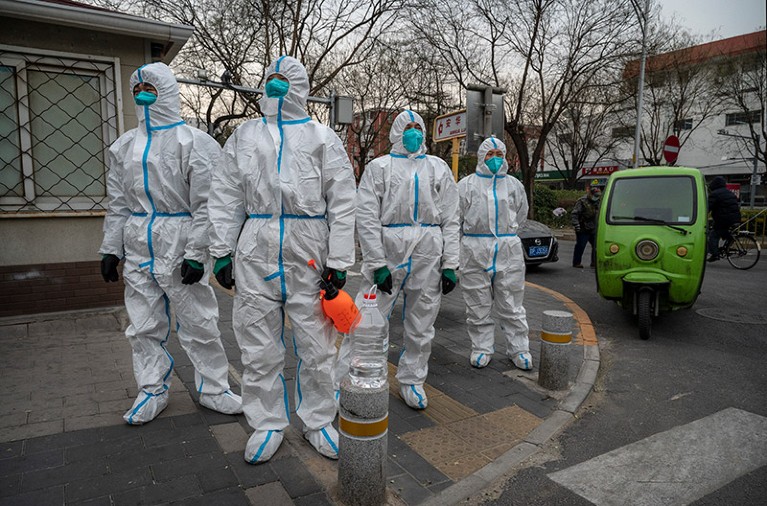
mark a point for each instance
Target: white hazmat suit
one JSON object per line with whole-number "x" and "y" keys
{"x": 287, "y": 191}
{"x": 158, "y": 182}
{"x": 493, "y": 206}
{"x": 407, "y": 220}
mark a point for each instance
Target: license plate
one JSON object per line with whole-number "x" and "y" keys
{"x": 538, "y": 251}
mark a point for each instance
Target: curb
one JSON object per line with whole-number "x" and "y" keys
{"x": 552, "y": 426}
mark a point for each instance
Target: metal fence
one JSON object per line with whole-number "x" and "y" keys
{"x": 58, "y": 117}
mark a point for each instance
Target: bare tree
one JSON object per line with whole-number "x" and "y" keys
{"x": 378, "y": 88}
{"x": 546, "y": 53}
{"x": 681, "y": 89}
{"x": 583, "y": 134}
{"x": 744, "y": 89}
{"x": 239, "y": 38}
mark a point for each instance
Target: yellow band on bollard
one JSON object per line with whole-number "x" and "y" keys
{"x": 556, "y": 338}
{"x": 363, "y": 429}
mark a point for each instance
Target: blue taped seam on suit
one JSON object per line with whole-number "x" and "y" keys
{"x": 466, "y": 234}
{"x": 261, "y": 448}
{"x": 141, "y": 404}
{"x": 415, "y": 208}
{"x": 330, "y": 441}
{"x": 285, "y": 397}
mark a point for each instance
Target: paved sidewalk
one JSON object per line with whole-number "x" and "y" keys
{"x": 66, "y": 379}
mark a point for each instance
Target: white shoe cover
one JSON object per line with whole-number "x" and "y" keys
{"x": 414, "y": 396}
{"x": 479, "y": 360}
{"x": 523, "y": 360}
{"x": 325, "y": 441}
{"x": 262, "y": 445}
{"x": 146, "y": 408}
{"x": 227, "y": 402}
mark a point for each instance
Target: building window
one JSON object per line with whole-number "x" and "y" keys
{"x": 683, "y": 124}
{"x": 623, "y": 132}
{"x": 58, "y": 117}
{"x": 743, "y": 118}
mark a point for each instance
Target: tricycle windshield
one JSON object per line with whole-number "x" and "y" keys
{"x": 647, "y": 200}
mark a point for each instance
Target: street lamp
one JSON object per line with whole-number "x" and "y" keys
{"x": 755, "y": 159}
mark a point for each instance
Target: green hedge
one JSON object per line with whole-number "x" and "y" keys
{"x": 546, "y": 200}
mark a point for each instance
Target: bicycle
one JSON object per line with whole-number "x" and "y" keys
{"x": 740, "y": 249}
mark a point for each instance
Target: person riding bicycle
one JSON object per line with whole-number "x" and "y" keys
{"x": 725, "y": 211}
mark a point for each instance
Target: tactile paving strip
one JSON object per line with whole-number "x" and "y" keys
{"x": 462, "y": 447}
{"x": 513, "y": 420}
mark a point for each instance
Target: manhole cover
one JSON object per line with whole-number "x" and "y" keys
{"x": 733, "y": 316}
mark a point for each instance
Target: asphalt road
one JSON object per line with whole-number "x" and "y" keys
{"x": 698, "y": 362}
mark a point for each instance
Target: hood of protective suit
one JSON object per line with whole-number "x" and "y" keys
{"x": 166, "y": 109}
{"x": 398, "y": 128}
{"x": 487, "y": 145}
{"x": 293, "y": 105}
{"x": 718, "y": 182}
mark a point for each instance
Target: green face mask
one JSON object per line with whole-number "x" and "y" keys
{"x": 412, "y": 138}
{"x": 494, "y": 164}
{"x": 145, "y": 98}
{"x": 277, "y": 88}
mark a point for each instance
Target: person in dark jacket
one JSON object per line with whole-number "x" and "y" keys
{"x": 725, "y": 211}
{"x": 584, "y": 218}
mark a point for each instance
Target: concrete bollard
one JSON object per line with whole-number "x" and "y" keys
{"x": 363, "y": 422}
{"x": 556, "y": 337}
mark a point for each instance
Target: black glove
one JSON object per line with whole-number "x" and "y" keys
{"x": 382, "y": 278}
{"x": 338, "y": 278}
{"x": 577, "y": 229}
{"x": 449, "y": 281}
{"x": 224, "y": 271}
{"x": 191, "y": 272}
{"x": 109, "y": 267}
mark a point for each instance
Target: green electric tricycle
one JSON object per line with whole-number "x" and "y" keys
{"x": 651, "y": 240}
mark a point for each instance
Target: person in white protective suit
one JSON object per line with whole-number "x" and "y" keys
{"x": 284, "y": 195}
{"x": 157, "y": 219}
{"x": 407, "y": 221}
{"x": 493, "y": 207}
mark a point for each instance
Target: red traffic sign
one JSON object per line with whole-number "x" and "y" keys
{"x": 671, "y": 149}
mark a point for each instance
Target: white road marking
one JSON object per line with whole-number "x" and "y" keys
{"x": 677, "y": 466}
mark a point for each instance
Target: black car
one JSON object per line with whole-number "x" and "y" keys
{"x": 538, "y": 243}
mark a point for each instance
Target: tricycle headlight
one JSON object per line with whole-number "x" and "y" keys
{"x": 647, "y": 250}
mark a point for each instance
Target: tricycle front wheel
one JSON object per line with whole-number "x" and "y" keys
{"x": 644, "y": 313}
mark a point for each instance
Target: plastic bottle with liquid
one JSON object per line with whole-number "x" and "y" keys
{"x": 370, "y": 345}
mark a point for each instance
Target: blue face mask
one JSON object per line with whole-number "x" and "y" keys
{"x": 277, "y": 88}
{"x": 494, "y": 164}
{"x": 145, "y": 98}
{"x": 412, "y": 138}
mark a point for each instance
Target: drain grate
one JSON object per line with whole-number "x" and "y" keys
{"x": 733, "y": 316}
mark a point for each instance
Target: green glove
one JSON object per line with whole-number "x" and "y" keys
{"x": 221, "y": 263}
{"x": 382, "y": 278}
{"x": 223, "y": 270}
{"x": 449, "y": 280}
{"x": 192, "y": 271}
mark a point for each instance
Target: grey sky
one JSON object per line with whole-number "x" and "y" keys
{"x": 728, "y": 17}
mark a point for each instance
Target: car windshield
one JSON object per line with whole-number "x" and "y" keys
{"x": 662, "y": 199}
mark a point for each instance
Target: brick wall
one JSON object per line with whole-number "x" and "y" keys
{"x": 28, "y": 289}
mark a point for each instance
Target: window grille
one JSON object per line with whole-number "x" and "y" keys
{"x": 58, "y": 117}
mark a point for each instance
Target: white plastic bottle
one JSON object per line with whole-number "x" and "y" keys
{"x": 370, "y": 344}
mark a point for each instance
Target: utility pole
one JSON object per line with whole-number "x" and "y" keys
{"x": 642, "y": 15}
